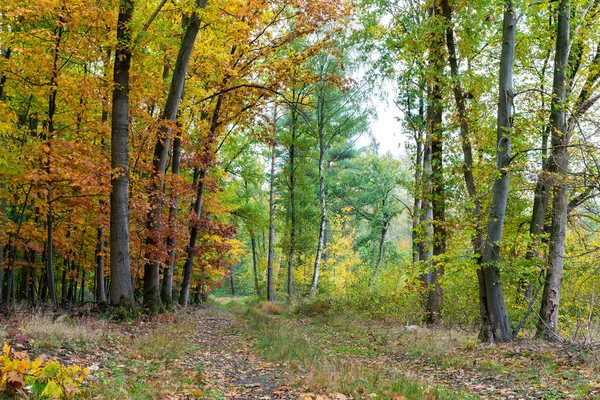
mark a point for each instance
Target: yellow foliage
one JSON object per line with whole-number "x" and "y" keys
{"x": 43, "y": 379}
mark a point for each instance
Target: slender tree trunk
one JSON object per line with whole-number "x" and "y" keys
{"x": 379, "y": 253}
{"x": 434, "y": 122}
{"x": 50, "y": 253}
{"x": 291, "y": 254}
{"x": 255, "y": 264}
{"x": 82, "y": 295}
{"x": 425, "y": 244}
{"x": 323, "y": 206}
{"x": 271, "y": 254}
{"x": 167, "y": 283}
{"x": 49, "y": 138}
{"x": 496, "y": 307}
{"x": 231, "y": 281}
{"x": 548, "y": 325}
{"x": 65, "y": 269}
{"x": 435, "y": 294}
{"x": 99, "y": 289}
{"x": 188, "y": 268}
{"x": 417, "y": 197}
{"x": 467, "y": 168}
{"x": 152, "y": 299}
{"x": 2, "y": 235}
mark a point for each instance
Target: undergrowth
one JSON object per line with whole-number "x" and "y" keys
{"x": 278, "y": 341}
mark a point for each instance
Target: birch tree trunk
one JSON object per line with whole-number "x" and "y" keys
{"x": 319, "y": 255}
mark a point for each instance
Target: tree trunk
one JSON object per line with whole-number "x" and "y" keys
{"x": 467, "y": 168}
{"x": 188, "y": 268}
{"x": 417, "y": 198}
{"x": 49, "y": 138}
{"x": 121, "y": 288}
{"x": 50, "y": 254}
{"x": 191, "y": 248}
{"x": 2, "y": 235}
{"x": 65, "y": 269}
{"x": 323, "y": 207}
{"x": 255, "y": 264}
{"x": 166, "y": 292}
{"x": 548, "y": 324}
{"x": 99, "y": 289}
{"x": 161, "y": 153}
{"x": 434, "y": 122}
{"x": 271, "y": 254}
{"x": 435, "y": 294}
{"x": 498, "y": 316}
{"x": 82, "y": 295}
{"x": 291, "y": 254}
{"x": 379, "y": 253}
{"x": 425, "y": 244}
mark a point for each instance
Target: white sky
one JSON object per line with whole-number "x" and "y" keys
{"x": 385, "y": 126}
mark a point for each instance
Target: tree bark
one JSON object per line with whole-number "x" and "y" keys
{"x": 166, "y": 291}
{"x": 434, "y": 121}
{"x": 271, "y": 254}
{"x": 49, "y": 137}
{"x": 498, "y": 316}
{"x": 2, "y": 240}
{"x": 380, "y": 253}
{"x": 417, "y": 197}
{"x": 291, "y": 254}
{"x": 99, "y": 289}
{"x": 121, "y": 288}
{"x": 467, "y": 168}
{"x": 255, "y": 264}
{"x": 548, "y": 324}
{"x": 292, "y": 183}
{"x": 152, "y": 299}
{"x": 323, "y": 206}
{"x": 188, "y": 268}
{"x": 425, "y": 244}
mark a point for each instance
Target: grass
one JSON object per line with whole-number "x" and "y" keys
{"x": 358, "y": 356}
{"x": 308, "y": 348}
{"x": 46, "y": 332}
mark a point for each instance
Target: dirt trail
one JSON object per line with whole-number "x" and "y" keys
{"x": 230, "y": 365}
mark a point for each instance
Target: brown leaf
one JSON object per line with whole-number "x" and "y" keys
{"x": 15, "y": 380}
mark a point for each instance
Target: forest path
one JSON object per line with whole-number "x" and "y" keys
{"x": 217, "y": 352}
{"x": 230, "y": 366}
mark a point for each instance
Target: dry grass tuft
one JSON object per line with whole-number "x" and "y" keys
{"x": 271, "y": 308}
{"x": 55, "y": 332}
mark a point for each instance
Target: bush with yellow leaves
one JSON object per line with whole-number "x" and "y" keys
{"x": 39, "y": 379}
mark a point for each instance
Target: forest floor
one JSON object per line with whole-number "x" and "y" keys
{"x": 236, "y": 351}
